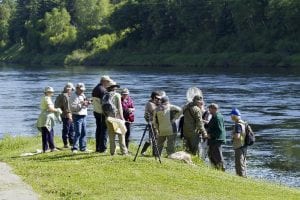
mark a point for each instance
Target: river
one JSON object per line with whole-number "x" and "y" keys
{"x": 270, "y": 102}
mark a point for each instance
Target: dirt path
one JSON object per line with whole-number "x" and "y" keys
{"x": 12, "y": 187}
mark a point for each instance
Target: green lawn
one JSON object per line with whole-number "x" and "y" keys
{"x": 63, "y": 175}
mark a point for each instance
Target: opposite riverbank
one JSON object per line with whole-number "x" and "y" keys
{"x": 233, "y": 60}
{"x": 63, "y": 175}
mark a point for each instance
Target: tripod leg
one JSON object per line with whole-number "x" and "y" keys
{"x": 145, "y": 130}
{"x": 154, "y": 144}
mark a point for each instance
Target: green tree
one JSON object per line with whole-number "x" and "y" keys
{"x": 6, "y": 11}
{"x": 59, "y": 33}
{"x": 90, "y": 17}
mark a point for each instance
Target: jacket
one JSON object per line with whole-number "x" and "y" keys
{"x": 216, "y": 129}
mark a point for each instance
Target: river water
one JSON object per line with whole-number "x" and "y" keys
{"x": 270, "y": 102}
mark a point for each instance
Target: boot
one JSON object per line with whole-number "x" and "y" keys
{"x": 145, "y": 147}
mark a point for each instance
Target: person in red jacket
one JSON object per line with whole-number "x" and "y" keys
{"x": 128, "y": 112}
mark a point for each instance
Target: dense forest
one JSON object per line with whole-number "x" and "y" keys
{"x": 222, "y": 33}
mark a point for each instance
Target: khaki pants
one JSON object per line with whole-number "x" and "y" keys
{"x": 170, "y": 143}
{"x": 112, "y": 143}
{"x": 240, "y": 161}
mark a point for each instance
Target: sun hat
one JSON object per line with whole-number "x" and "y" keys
{"x": 48, "y": 89}
{"x": 125, "y": 91}
{"x": 235, "y": 112}
{"x": 105, "y": 78}
{"x": 69, "y": 85}
{"x": 81, "y": 86}
{"x": 113, "y": 84}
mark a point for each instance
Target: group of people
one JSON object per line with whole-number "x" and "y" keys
{"x": 199, "y": 126}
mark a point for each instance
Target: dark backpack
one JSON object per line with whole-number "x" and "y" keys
{"x": 59, "y": 101}
{"x": 108, "y": 107}
{"x": 250, "y": 136}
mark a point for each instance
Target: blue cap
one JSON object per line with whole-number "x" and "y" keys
{"x": 235, "y": 111}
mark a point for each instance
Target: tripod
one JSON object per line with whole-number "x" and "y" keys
{"x": 149, "y": 128}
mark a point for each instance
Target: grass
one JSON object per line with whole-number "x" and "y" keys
{"x": 62, "y": 175}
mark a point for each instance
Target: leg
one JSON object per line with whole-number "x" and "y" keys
{"x": 112, "y": 144}
{"x": 98, "y": 131}
{"x": 71, "y": 132}
{"x": 77, "y": 129}
{"x": 127, "y": 135}
{"x": 160, "y": 143}
{"x": 122, "y": 144}
{"x": 82, "y": 138}
{"x": 171, "y": 144}
{"x": 44, "y": 139}
{"x": 51, "y": 139}
{"x": 240, "y": 162}
{"x": 65, "y": 131}
{"x": 103, "y": 134}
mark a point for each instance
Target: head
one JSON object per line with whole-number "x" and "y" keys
{"x": 198, "y": 101}
{"x": 125, "y": 93}
{"x": 155, "y": 97}
{"x": 164, "y": 100}
{"x": 69, "y": 87}
{"x": 49, "y": 91}
{"x": 235, "y": 114}
{"x": 105, "y": 80}
{"x": 162, "y": 93}
{"x": 213, "y": 108}
{"x": 80, "y": 88}
{"x": 112, "y": 86}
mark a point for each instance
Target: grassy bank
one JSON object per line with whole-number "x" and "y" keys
{"x": 62, "y": 175}
{"x": 17, "y": 54}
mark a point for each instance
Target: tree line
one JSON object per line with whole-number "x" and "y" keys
{"x": 91, "y": 28}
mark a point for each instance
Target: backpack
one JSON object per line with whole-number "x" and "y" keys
{"x": 108, "y": 107}
{"x": 59, "y": 101}
{"x": 250, "y": 136}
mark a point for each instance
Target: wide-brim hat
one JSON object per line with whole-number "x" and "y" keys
{"x": 81, "y": 86}
{"x": 48, "y": 89}
{"x": 105, "y": 78}
{"x": 113, "y": 84}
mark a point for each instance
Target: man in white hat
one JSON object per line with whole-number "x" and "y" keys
{"x": 101, "y": 129}
{"x": 79, "y": 105}
{"x": 62, "y": 102}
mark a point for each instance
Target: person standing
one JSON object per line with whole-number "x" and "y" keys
{"x": 164, "y": 118}
{"x": 116, "y": 116}
{"x": 238, "y": 137}
{"x": 62, "y": 102}
{"x": 128, "y": 113}
{"x": 79, "y": 105}
{"x": 148, "y": 115}
{"x": 101, "y": 129}
{"x": 46, "y": 120}
{"x": 216, "y": 137}
{"x": 193, "y": 125}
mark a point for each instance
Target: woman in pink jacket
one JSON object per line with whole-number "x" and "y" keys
{"x": 128, "y": 112}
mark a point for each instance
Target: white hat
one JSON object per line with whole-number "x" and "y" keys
{"x": 48, "y": 89}
{"x": 81, "y": 86}
{"x": 69, "y": 85}
{"x": 105, "y": 78}
{"x": 125, "y": 91}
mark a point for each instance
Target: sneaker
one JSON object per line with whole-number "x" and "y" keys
{"x": 74, "y": 151}
{"x": 143, "y": 154}
{"x": 55, "y": 149}
{"x": 47, "y": 151}
{"x": 66, "y": 146}
{"x": 87, "y": 151}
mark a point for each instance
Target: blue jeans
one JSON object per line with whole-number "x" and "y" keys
{"x": 47, "y": 139}
{"x": 67, "y": 131}
{"x": 79, "y": 122}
